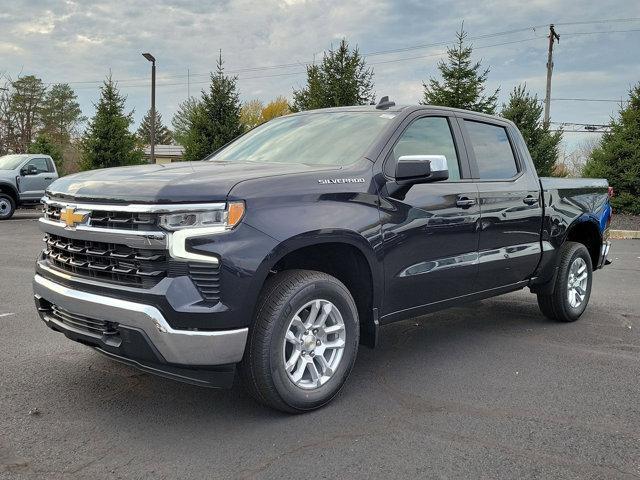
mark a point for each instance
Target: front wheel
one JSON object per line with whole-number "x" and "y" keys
{"x": 7, "y": 207}
{"x": 303, "y": 343}
{"x": 572, "y": 287}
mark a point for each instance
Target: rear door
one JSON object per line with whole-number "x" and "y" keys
{"x": 510, "y": 205}
{"x": 430, "y": 235}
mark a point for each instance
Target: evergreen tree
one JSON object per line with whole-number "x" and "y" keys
{"x": 163, "y": 134}
{"x": 525, "y": 111}
{"x": 342, "y": 79}
{"x": 183, "y": 120}
{"x": 463, "y": 82}
{"x": 44, "y": 145}
{"x": 61, "y": 114}
{"x": 107, "y": 141}
{"x": 617, "y": 158}
{"x": 25, "y": 111}
{"x": 217, "y": 121}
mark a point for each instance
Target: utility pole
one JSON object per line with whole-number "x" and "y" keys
{"x": 553, "y": 36}
{"x": 188, "y": 83}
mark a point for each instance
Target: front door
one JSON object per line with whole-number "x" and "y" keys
{"x": 430, "y": 231}
{"x": 32, "y": 186}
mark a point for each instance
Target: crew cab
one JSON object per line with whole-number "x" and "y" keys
{"x": 23, "y": 181}
{"x": 281, "y": 253}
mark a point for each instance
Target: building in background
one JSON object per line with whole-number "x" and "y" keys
{"x": 165, "y": 153}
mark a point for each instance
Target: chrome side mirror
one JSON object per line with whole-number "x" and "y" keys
{"x": 421, "y": 168}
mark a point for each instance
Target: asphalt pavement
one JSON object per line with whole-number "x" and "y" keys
{"x": 487, "y": 390}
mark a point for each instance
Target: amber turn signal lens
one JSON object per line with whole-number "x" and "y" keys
{"x": 236, "y": 212}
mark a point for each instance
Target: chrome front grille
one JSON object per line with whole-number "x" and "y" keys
{"x": 109, "y": 219}
{"x": 121, "y": 244}
{"x": 106, "y": 261}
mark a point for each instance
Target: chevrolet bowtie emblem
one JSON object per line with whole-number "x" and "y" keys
{"x": 70, "y": 217}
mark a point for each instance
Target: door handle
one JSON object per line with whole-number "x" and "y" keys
{"x": 465, "y": 202}
{"x": 530, "y": 200}
{"x": 48, "y": 178}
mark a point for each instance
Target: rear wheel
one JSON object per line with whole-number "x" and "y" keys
{"x": 303, "y": 343}
{"x": 7, "y": 207}
{"x": 572, "y": 287}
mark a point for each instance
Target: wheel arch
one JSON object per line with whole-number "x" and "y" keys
{"x": 586, "y": 230}
{"x": 345, "y": 255}
{"x": 10, "y": 190}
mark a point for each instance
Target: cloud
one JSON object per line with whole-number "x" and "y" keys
{"x": 80, "y": 42}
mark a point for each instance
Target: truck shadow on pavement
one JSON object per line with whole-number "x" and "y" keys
{"x": 423, "y": 345}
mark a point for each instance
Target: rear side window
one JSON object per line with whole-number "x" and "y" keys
{"x": 429, "y": 136}
{"x": 492, "y": 150}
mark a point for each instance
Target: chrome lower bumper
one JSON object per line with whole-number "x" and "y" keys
{"x": 184, "y": 347}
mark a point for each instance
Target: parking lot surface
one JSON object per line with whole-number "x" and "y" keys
{"x": 487, "y": 390}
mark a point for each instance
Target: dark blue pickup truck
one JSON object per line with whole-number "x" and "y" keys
{"x": 283, "y": 251}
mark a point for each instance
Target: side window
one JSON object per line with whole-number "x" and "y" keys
{"x": 492, "y": 150}
{"x": 429, "y": 136}
{"x": 41, "y": 164}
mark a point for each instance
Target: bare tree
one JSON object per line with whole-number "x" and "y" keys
{"x": 575, "y": 160}
{"x": 6, "y": 126}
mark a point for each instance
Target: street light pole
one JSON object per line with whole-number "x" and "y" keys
{"x": 152, "y": 59}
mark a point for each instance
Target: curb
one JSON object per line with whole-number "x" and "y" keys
{"x": 624, "y": 234}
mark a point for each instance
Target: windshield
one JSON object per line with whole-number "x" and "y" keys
{"x": 10, "y": 162}
{"x": 338, "y": 138}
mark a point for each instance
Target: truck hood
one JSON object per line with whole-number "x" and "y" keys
{"x": 173, "y": 183}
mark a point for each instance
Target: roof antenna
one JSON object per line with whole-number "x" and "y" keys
{"x": 384, "y": 103}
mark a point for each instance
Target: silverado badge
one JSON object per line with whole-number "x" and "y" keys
{"x": 340, "y": 180}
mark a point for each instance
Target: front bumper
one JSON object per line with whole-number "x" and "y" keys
{"x": 167, "y": 349}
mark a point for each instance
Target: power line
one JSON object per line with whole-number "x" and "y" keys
{"x": 610, "y": 100}
{"x": 601, "y": 125}
{"x": 145, "y": 84}
{"x": 588, "y": 100}
{"x": 575, "y": 34}
{"x": 392, "y": 51}
{"x": 577, "y": 131}
{"x": 125, "y": 83}
{"x": 439, "y": 54}
{"x": 448, "y": 42}
{"x": 609, "y": 20}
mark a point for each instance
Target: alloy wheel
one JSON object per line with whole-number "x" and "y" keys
{"x": 577, "y": 282}
{"x": 314, "y": 343}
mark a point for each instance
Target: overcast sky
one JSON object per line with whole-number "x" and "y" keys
{"x": 79, "y": 42}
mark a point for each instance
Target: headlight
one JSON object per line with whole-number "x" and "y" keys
{"x": 227, "y": 218}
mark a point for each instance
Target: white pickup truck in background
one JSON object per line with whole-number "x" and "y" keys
{"x": 23, "y": 180}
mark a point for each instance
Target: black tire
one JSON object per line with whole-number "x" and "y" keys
{"x": 263, "y": 366}
{"x": 7, "y": 207}
{"x": 556, "y": 306}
